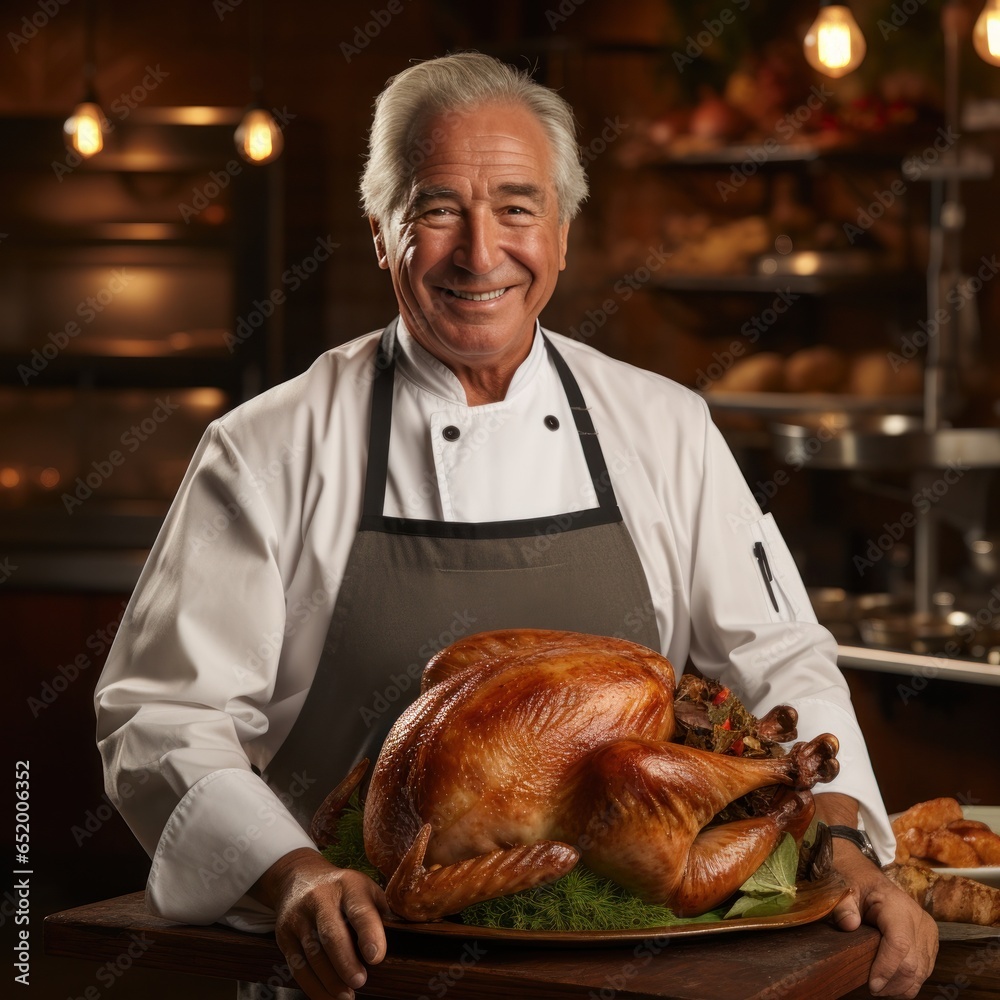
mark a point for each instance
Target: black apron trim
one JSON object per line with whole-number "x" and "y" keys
{"x": 380, "y": 423}
{"x": 585, "y": 428}
{"x": 524, "y": 528}
{"x": 372, "y": 518}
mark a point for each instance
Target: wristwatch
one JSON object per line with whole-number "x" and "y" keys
{"x": 860, "y": 839}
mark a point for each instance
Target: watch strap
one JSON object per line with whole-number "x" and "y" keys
{"x": 860, "y": 839}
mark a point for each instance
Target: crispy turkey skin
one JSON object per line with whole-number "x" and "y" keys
{"x": 528, "y": 750}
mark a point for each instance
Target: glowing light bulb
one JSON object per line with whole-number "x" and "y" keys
{"x": 258, "y": 138}
{"x": 986, "y": 33}
{"x": 834, "y": 44}
{"x": 84, "y": 129}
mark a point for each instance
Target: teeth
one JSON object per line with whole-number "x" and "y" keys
{"x": 477, "y": 297}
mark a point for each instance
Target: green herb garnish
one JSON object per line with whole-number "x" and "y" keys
{"x": 348, "y": 851}
{"x": 582, "y": 900}
{"x": 579, "y": 901}
{"x": 771, "y": 888}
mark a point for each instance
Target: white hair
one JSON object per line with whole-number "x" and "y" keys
{"x": 460, "y": 83}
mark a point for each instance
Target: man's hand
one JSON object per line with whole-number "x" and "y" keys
{"x": 909, "y": 944}
{"x": 316, "y": 905}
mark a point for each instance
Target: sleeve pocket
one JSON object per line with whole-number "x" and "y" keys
{"x": 786, "y": 582}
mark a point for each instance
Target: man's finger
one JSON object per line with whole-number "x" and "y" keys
{"x": 333, "y": 956}
{"x": 894, "y": 971}
{"x": 847, "y": 914}
{"x": 298, "y": 966}
{"x": 364, "y": 916}
{"x": 310, "y": 984}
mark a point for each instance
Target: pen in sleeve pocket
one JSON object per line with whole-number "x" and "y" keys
{"x": 765, "y": 571}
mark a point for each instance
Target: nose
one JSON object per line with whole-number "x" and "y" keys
{"x": 478, "y": 250}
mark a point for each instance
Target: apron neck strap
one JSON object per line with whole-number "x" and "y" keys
{"x": 592, "y": 451}
{"x": 380, "y": 425}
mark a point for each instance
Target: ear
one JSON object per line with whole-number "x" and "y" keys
{"x": 380, "y": 252}
{"x": 563, "y": 241}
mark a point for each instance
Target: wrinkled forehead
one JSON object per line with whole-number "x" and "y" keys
{"x": 504, "y": 140}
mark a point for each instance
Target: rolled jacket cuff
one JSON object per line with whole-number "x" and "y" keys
{"x": 221, "y": 837}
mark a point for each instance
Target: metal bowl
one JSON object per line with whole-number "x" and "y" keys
{"x": 920, "y": 633}
{"x": 883, "y": 443}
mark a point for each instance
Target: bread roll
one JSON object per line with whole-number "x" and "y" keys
{"x": 883, "y": 373}
{"x": 816, "y": 369}
{"x": 763, "y": 372}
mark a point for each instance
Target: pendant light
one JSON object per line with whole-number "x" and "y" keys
{"x": 84, "y": 130}
{"x": 258, "y": 138}
{"x": 986, "y": 33}
{"x": 834, "y": 44}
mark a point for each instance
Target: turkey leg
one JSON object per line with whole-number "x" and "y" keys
{"x": 640, "y": 807}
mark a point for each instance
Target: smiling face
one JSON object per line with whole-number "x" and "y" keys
{"x": 476, "y": 251}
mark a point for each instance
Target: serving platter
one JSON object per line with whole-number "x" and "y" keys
{"x": 989, "y": 874}
{"x": 813, "y": 901}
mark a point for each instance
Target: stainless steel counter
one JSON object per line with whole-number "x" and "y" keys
{"x": 918, "y": 667}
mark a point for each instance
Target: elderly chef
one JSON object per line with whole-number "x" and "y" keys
{"x": 461, "y": 470}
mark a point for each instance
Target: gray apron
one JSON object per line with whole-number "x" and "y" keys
{"x": 412, "y": 587}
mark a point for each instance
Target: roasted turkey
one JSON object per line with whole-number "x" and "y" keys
{"x": 530, "y": 750}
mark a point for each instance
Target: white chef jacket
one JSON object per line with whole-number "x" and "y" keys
{"x": 220, "y": 641}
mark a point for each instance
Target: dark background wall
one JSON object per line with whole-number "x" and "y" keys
{"x": 324, "y": 62}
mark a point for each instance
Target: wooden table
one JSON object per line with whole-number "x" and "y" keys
{"x": 815, "y": 961}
